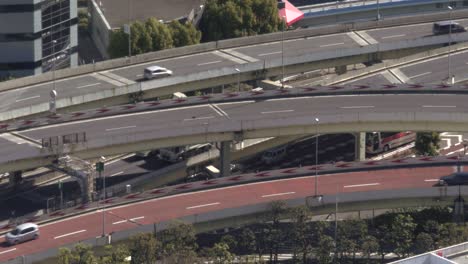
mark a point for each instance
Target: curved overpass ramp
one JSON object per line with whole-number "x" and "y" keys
{"x": 232, "y": 202}
{"x": 238, "y": 120}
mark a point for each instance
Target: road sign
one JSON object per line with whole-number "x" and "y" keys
{"x": 99, "y": 166}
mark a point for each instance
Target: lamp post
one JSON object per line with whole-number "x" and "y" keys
{"x": 282, "y": 51}
{"x": 53, "y": 65}
{"x": 450, "y": 79}
{"x": 316, "y": 155}
{"x": 238, "y": 79}
{"x": 378, "y": 10}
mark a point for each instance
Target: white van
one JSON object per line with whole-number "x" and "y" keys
{"x": 156, "y": 72}
{"x": 274, "y": 155}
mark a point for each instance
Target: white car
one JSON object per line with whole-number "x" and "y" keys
{"x": 156, "y": 72}
{"x": 22, "y": 233}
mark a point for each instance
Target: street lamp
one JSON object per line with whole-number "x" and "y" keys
{"x": 282, "y": 51}
{"x": 238, "y": 79}
{"x": 316, "y": 155}
{"x": 378, "y": 10}
{"x": 450, "y": 79}
{"x": 53, "y": 65}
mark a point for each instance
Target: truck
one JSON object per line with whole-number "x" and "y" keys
{"x": 176, "y": 154}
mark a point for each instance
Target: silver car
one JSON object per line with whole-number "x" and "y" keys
{"x": 22, "y": 233}
{"x": 154, "y": 72}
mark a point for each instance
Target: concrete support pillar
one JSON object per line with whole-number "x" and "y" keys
{"x": 225, "y": 158}
{"x": 360, "y": 146}
{"x": 15, "y": 177}
{"x": 341, "y": 69}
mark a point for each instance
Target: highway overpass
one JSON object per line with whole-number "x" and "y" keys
{"x": 231, "y": 206}
{"x": 210, "y": 64}
{"x": 231, "y": 121}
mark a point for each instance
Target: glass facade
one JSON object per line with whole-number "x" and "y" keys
{"x": 55, "y": 36}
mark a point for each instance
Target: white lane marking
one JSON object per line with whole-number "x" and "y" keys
{"x": 207, "y": 63}
{"x": 361, "y": 185}
{"x": 117, "y": 173}
{"x": 270, "y": 53}
{"x": 69, "y": 234}
{"x": 118, "y": 128}
{"x": 28, "y": 98}
{"x": 131, "y": 220}
{"x": 419, "y": 75}
{"x": 88, "y": 85}
{"x": 279, "y": 111}
{"x": 277, "y": 194}
{"x": 6, "y": 251}
{"x": 198, "y": 118}
{"x": 357, "y": 107}
{"x": 431, "y": 180}
{"x": 202, "y": 205}
{"x": 218, "y": 110}
{"x": 394, "y": 36}
{"x": 333, "y": 44}
{"x": 139, "y": 75}
{"x": 439, "y": 106}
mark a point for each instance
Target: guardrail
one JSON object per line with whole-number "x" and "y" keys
{"x": 249, "y": 71}
{"x": 322, "y": 169}
{"x": 222, "y": 44}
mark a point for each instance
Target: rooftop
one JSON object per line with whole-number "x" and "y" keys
{"x": 116, "y": 11}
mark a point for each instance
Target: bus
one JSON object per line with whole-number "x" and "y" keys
{"x": 377, "y": 142}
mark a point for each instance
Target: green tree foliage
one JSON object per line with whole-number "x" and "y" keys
{"x": 83, "y": 21}
{"x": 160, "y": 34}
{"x": 246, "y": 243}
{"x": 423, "y": 243}
{"x": 184, "y": 35}
{"x": 274, "y": 233}
{"x": 369, "y": 246}
{"x": 301, "y": 233}
{"x": 144, "y": 248}
{"x": 402, "y": 230}
{"x": 218, "y": 254}
{"x": 152, "y": 36}
{"x": 351, "y": 235}
{"x": 427, "y": 143}
{"x": 178, "y": 243}
{"x": 323, "y": 251}
{"x": 81, "y": 254}
{"x": 224, "y": 19}
{"x": 115, "y": 255}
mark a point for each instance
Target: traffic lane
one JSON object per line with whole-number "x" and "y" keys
{"x": 179, "y": 65}
{"x": 87, "y": 226}
{"x": 401, "y": 32}
{"x": 11, "y": 151}
{"x": 342, "y": 105}
{"x": 297, "y": 47}
{"x": 436, "y": 70}
{"x": 108, "y": 127}
{"x": 25, "y": 97}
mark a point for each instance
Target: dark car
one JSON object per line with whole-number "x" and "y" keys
{"x": 457, "y": 178}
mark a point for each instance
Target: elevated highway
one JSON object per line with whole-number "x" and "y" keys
{"x": 214, "y": 63}
{"x": 235, "y": 202}
{"x": 244, "y": 119}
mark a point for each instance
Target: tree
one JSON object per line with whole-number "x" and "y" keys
{"x": 402, "y": 232}
{"x": 118, "y": 44}
{"x": 423, "y": 243}
{"x": 184, "y": 34}
{"x": 369, "y": 245}
{"x": 274, "y": 235}
{"x": 230, "y": 18}
{"x": 326, "y": 246}
{"x": 301, "y": 234}
{"x": 160, "y": 34}
{"x": 246, "y": 242}
{"x": 81, "y": 254}
{"x": 218, "y": 254}
{"x": 427, "y": 143}
{"x": 65, "y": 256}
{"x": 432, "y": 228}
{"x": 141, "y": 41}
{"x": 143, "y": 248}
{"x": 115, "y": 255}
{"x": 351, "y": 234}
{"x": 178, "y": 243}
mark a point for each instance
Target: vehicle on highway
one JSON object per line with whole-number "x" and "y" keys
{"x": 377, "y": 142}
{"x": 445, "y": 27}
{"x": 154, "y": 72}
{"x": 457, "y": 178}
{"x": 176, "y": 154}
{"x": 274, "y": 155}
{"x": 22, "y": 233}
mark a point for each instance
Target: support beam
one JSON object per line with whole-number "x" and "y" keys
{"x": 360, "y": 146}
{"x": 225, "y": 158}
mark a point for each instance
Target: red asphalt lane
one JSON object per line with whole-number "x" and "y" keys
{"x": 90, "y": 225}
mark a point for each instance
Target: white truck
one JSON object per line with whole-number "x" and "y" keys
{"x": 176, "y": 154}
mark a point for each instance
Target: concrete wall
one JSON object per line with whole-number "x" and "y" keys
{"x": 99, "y": 29}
